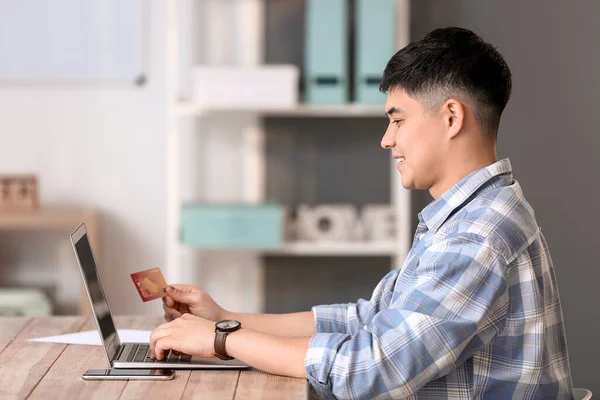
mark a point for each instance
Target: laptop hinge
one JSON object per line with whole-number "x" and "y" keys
{"x": 118, "y": 355}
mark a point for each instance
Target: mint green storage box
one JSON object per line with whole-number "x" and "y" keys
{"x": 326, "y": 52}
{"x": 226, "y": 226}
{"x": 375, "y": 44}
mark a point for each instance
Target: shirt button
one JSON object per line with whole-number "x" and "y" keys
{"x": 421, "y": 236}
{"x": 365, "y": 327}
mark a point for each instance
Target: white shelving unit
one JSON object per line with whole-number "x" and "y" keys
{"x": 242, "y": 271}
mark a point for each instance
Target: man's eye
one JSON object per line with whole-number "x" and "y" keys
{"x": 397, "y": 122}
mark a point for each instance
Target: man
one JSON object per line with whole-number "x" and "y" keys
{"x": 474, "y": 312}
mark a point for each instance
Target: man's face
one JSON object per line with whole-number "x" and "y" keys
{"x": 416, "y": 139}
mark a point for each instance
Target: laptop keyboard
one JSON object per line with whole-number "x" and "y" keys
{"x": 141, "y": 353}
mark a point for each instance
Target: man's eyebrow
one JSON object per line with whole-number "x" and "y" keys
{"x": 394, "y": 110}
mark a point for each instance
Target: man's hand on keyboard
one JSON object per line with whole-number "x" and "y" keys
{"x": 188, "y": 334}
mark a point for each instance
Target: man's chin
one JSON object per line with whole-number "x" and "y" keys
{"x": 407, "y": 184}
{"x": 411, "y": 184}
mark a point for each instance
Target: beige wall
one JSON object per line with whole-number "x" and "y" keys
{"x": 101, "y": 147}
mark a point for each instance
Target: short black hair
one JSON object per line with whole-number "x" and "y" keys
{"x": 453, "y": 62}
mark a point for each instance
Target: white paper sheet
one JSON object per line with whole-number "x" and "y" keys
{"x": 93, "y": 338}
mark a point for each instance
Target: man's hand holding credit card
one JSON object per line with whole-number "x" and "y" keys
{"x": 150, "y": 284}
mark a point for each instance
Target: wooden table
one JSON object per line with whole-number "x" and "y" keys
{"x": 53, "y": 371}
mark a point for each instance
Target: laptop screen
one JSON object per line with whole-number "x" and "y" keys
{"x": 95, "y": 290}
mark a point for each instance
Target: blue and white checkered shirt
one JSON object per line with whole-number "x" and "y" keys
{"x": 473, "y": 313}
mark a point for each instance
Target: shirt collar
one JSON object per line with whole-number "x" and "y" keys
{"x": 438, "y": 211}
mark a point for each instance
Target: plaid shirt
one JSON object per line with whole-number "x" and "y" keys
{"x": 473, "y": 313}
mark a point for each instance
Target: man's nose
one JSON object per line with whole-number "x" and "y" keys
{"x": 388, "y": 142}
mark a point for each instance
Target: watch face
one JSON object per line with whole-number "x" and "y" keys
{"x": 228, "y": 325}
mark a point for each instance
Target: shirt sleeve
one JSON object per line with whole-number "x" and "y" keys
{"x": 457, "y": 305}
{"x": 351, "y": 317}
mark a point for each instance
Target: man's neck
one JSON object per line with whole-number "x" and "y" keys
{"x": 458, "y": 171}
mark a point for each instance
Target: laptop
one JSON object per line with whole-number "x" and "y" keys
{"x": 128, "y": 355}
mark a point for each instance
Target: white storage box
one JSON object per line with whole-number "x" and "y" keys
{"x": 24, "y": 302}
{"x": 246, "y": 87}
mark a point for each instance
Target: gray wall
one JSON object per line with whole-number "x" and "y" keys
{"x": 550, "y": 131}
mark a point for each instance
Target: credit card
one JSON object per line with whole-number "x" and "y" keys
{"x": 149, "y": 284}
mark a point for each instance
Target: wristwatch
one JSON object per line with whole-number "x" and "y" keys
{"x": 222, "y": 329}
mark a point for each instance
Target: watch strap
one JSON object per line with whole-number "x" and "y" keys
{"x": 220, "y": 351}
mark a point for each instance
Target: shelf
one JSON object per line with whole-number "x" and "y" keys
{"x": 67, "y": 218}
{"x": 325, "y": 249}
{"x": 45, "y": 218}
{"x": 336, "y": 249}
{"x": 302, "y": 110}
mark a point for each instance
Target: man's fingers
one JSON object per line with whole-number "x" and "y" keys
{"x": 170, "y": 313}
{"x": 170, "y": 317}
{"x": 183, "y": 294}
{"x": 157, "y": 334}
{"x": 162, "y": 346}
{"x": 169, "y": 302}
{"x": 182, "y": 286}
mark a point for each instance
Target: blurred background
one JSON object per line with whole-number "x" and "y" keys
{"x": 235, "y": 145}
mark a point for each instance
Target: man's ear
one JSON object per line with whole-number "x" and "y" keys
{"x": 453, "y": 112}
